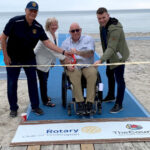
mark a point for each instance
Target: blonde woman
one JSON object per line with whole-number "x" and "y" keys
{"x": 46, "y": 57}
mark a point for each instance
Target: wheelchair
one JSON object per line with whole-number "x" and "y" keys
{"x": 66, "y": 85}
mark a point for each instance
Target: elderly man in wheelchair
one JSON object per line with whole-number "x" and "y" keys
{"x": 83, "y": 48}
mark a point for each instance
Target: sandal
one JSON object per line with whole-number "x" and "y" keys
{"x": 50, "y": 104}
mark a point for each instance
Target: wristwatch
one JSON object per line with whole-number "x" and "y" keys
{"x": 63, "y": 52}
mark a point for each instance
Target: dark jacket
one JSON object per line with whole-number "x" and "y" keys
{"x": 117, "y": 49}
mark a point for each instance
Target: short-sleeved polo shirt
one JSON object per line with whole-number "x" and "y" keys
{"x": 22, "y": 38}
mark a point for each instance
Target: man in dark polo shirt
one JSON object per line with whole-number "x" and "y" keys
{"x": 19, "y": 38}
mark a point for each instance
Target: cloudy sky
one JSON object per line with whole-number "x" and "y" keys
{"x": 65, "y": 5}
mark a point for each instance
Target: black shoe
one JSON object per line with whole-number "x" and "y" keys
{"x": 89, "y": 107}
{"x": 108, "y": 98}
{"x": 80, "y": 108}
{"x": 38, "y": 111}
{"x": 117, "y": 108}
{"x": 13, "y": 113}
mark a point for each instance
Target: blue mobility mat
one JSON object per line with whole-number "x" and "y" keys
{"x": 132, "y": 108}
{"x": 2, "y": 67}
{"x": 1, "y": 58}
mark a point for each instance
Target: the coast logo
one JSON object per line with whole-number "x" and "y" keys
{"x": 91, "y": 129}
{"x": 133, "y": 130}
{"x": 133, "y": 127}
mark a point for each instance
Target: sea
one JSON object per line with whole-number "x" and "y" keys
{"x": 137, "y": 20}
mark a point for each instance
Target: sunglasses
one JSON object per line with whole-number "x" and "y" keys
{"x": 75, "y": 30}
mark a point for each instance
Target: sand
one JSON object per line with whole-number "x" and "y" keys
{"x": 137, "y": 79}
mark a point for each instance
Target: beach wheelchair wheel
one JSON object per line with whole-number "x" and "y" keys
{"x": 69, "y": 109}
{"x": 99, "y": 108}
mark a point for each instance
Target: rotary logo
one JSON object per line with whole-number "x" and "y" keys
{"x": 34, "y": 4}
{"x": 34, "y": 31}
{"x": 91, "y": 129}
{"x": 133, "y": 127}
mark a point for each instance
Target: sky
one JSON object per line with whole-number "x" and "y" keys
{"x": 73, "y": 5}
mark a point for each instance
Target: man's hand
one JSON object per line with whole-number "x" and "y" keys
{"x": 7, "y": 60}
{"x": 83, "y": 53}
{"x": 74, "y": 51}
{"x": 68, "y": 54}
{"x": 70, "y": 68}
{"x": 67, "y": 60}
{"x": 97, "y": 62}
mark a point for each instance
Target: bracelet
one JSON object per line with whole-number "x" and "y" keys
{"x": 63, "y": 52}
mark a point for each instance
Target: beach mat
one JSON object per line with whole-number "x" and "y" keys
{"x": 131, "y": 106}
{"x": 1, "y": 58}
{"x": 56, "y": 127}
{"x": 2, "y": 67}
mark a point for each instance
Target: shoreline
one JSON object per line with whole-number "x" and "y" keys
{"x": 127, "y": 34}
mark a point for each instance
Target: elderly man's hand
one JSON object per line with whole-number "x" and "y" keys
{"x": 73, "y": 50}
{"x": 70, "y": 68}
{"x": 67, "y": 60}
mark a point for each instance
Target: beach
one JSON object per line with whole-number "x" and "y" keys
{"x": 137, "y": 79}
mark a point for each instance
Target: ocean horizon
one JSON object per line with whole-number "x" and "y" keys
{"x": 133, "y": 20}
{"x": 111, "y": 10}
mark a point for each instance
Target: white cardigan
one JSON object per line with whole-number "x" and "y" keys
{"x": 45, "y": 56}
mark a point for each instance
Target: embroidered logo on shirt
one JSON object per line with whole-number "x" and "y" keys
{"x": 34, "y": 31}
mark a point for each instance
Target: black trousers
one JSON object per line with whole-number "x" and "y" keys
{"x": 116, "y": 74}
{"x": 43, "y": 77}
{"x": 12, "y": 84}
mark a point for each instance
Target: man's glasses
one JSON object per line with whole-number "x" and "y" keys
{"x": 75, "y": 30}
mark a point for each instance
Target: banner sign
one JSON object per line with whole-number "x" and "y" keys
{"x": 61, "y": 132}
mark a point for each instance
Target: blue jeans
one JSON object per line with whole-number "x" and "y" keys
{"x": 118, "y": 75}
{"x": 12, "y": 79}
